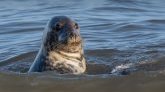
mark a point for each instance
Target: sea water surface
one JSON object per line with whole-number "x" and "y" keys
{"x": 124, "y": 44}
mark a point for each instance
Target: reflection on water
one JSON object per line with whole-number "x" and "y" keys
{"x": 122, "y": 37}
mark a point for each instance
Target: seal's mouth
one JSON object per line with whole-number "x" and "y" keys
{"x": 74, "y": 40}
{"x": 70, "y": 39}
{"x": 70, "y": 43}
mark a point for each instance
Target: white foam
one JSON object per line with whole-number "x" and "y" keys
{"x": 121, "y": 67}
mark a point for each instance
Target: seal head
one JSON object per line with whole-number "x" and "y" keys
{"x": 63, "y": 34}
{"x": 61, "y": 49}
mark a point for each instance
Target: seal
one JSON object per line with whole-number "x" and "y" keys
{"x": 61, "y": 49}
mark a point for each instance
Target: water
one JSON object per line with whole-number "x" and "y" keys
{"x": 124, "y": 42}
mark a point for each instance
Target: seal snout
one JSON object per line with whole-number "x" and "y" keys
{"x": 70, "y": 34}
{"x": 74, "y": 37}
{"x": 69, "y": 37}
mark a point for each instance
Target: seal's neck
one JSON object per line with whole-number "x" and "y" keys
{"x": 75, "y": 60}
{"x": 65, "y": 56}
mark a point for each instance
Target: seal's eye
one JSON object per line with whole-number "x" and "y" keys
{"x": 57, "y": 27}
{"x": 76, "y": 25}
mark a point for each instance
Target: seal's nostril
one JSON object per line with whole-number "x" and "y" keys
{"x": 72, "y": 34}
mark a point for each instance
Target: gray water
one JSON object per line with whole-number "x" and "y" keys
{"x": 124, "y": 42}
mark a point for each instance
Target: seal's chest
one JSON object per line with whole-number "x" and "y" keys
{"x": 63, "y": 67}
{"x": 63, "y": 62}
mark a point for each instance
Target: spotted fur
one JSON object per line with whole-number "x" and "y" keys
{"x": 61, "y": 49}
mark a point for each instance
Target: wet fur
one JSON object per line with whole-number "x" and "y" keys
{"x": 65, "y": 56}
